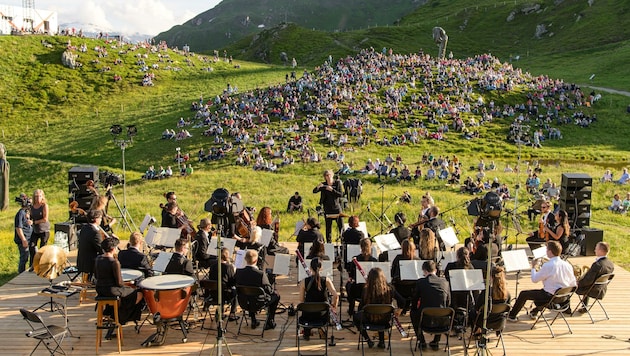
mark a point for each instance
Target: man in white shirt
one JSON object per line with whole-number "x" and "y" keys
{"x": 555, "y": 274}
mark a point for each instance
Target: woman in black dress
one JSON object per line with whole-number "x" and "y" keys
{"x": 316, "y": 289}
{"x": 109, "y": 283}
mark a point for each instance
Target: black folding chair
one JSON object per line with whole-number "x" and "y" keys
{"x": 436, "y": 321}
{"x": 559, "y": 304}
{"x": 251, "y": 300}
{"x": 312, "y": 315}
{"x": 600, "y": 283}
{"x": 495, "y": 322}
{"x": 211, "y": 297}
{"x": 376, "y": 317}
{"x": 50, "y": 336}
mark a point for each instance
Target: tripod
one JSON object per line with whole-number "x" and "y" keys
{"x": 383, "y": 217}
{"x": 482, "y": 349}
{"x": 218, "y": 345}
{"x": 124, "y": 213}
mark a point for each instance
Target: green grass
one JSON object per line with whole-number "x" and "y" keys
{"x": 53, "y": 118}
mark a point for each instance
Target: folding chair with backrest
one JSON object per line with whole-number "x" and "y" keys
{"x": 436, "y": 321}
{"x": 312, "y": 315}
{"x": 495, "y": 322}
{"x": 559, "y": 304}
{"x": 251, "y": 300}
{"x": 211, "y": 293}
{"x": 595, "y": 292}
{"x": 376, "y": 317}
{"x": 50, "y": 336}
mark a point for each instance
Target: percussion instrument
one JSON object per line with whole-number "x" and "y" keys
{"x": 167, "y": 294}
{"x": 129, "y": 274}
{"x": 167, "y": 297}
{"x": 50, "y": 261}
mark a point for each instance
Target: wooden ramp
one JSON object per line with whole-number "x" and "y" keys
{"x": 608, "y": 337}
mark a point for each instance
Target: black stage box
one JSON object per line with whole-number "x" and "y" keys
{"x": 591, "y": 238}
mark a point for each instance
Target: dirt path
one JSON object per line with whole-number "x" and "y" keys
{"x": 608, "y": 90}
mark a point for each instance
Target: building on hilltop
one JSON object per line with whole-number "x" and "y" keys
{"x": 16, "y": 19}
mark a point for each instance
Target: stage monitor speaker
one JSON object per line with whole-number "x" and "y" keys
{"x": 591, "y": 238}
{"x": 575, "y": 198}
{"x": 82, "y": 174}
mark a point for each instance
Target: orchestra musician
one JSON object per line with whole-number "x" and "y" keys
{"x": 133, "y": 257}
{"x": 203, "y": 237}
{"x": 318, "y": 250}
{"x": 309, "y": 233}
{"x": 426, "y": 203}
{"x": 353, "y": 288}
{"x": 251, "y": 241}
{"x": 331, "y": 191}
{"x": 89, "y": 242}
{"x": 400, "y": 231}
{"x": 375, "y": 291}
{"x": 436, "y": 224}
{"x": 316, "y": 289}
{"x": 352, "y": 235}
{"x": 555, "y": 274}
{"x": 254, "y": 277}
{"x": 266, "y": 221}
{"x": 179, "y": 263}
{"x": 169, "y": 215}
{"x": 428, "y": 245}
{"x": 403, "y": 288}
{"x": 547, "y": 220}
{"x": 461, "y": 299}
{"x": 100, "y": 203}
{"x": 228, "y": 281}
{"x": 109, "y": 283}
{"x": 561, "y": 230}
{"x": 602, "y": 265}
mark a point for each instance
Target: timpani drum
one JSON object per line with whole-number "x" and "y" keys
{"x": 129, "y": 275}
{"x": 167, "y": 295}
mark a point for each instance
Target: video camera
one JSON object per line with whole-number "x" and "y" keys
{"x": 487, "y": 209}
{"x": 111, "y": 178}
{"x": 24, "y": 200}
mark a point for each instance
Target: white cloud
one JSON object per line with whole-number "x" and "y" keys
{"x": 125, "y": 16}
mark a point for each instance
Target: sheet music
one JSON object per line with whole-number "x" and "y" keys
{"x": 151, "y": 236}
{"x": 281, "y": 264}
{"x": 228, "y": 243}
{"x": 386, "y": 242}
{"x": 299, "y": 225}
{"x": 266, "y": 237}
{"x": 162, "y": 236}
{"x": 411, "y": 270}
{"x": 466, "y": 279}
{"x": 162, "y": 261}
{"x": 239, "y": 260}
{"x": 540, "y": 252}
{"x": 362, "y": 227}
{"x": 145, "y": 223}
{"x": 328, "y": 248}
{"x": 327, "y": 269}
{"x": 449, "y": 237}
{"x": 449, "y": 256}
{"x": 391, "y": 254}
{"x": 368, "y": 265}
{"x": 515, "y": 260}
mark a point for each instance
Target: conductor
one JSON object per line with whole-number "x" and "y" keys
{"x": 331, "y": 192}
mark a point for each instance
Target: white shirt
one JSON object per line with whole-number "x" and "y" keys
{"x": 555, "y": 274}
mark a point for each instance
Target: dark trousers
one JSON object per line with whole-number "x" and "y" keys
{"x": 357, "y": 318}
{"x": 32, "y": 244}
{"x": 24, "y": 254}
{"x": 534, "y": 241}
{"x": 539, "y": 296}
{"x": 415, "y": 321}
{"x": 329, "y": 222}
{"x": 271, "y": 308}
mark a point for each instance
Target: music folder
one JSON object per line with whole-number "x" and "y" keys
{"x": 228, "y": 243}
{"x": 266, "y": 237}
{"x": 278, "y": 264}
{"x": 515, "y": 260}
{"x": 162, "y": 261}
{"x": 411, "y": 270}
{"x": 368, "y": 265}
{"x": 449, "y": 237}
{"x": 540, "y": 252}
{"x": 466, "y": 280}
{"x": 447, "y": 257}
{"x": 327, "y": 269}
{"x": 386, "y": 242}
{"x": 362, "y": 227}
{"x": 162, "y": 236}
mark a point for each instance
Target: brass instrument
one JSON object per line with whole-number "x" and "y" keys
{"x": 579, "y": 272}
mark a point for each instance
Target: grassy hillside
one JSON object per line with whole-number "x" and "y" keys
{"x": 232, "y": 20}
{"x": 53, "y": 118}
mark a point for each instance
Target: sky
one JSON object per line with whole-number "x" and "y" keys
{"x": 124, "y": 16}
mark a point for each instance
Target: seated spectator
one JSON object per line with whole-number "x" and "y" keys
{"x": 430, "y": 173}
{"x": 417, "y": 173}
{"x": 625, "y": 176}
{"x": 617, "y": 204}
{"x": 295, "y": 203}
{"x": 608, "y": 176}
{"x": 625, "y": 204}
{"x": 405, "y": 174}
{"x": 443, "y": 173}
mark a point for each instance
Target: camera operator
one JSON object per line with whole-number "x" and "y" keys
{"x": 23, "y": 230}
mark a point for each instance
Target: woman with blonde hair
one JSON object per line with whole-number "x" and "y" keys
{"x": 428, "y": 247}
{"x": 41, "y": 224}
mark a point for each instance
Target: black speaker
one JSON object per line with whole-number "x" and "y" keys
{"x": 591, "y": 238}
{"x": 575, "y": 198}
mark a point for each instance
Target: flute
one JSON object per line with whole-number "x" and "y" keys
{"x": 400, "y": 328}
{"x": 333, "y": 315}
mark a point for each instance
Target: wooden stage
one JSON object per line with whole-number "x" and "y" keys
{"x": 604, "y": 337}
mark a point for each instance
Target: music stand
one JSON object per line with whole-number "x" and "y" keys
{"x": 516, "y": 260}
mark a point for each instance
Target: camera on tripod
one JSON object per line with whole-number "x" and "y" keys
{"x": 111, "y": 179}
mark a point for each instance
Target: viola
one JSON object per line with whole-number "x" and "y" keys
{"x": 243, "y": 223}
